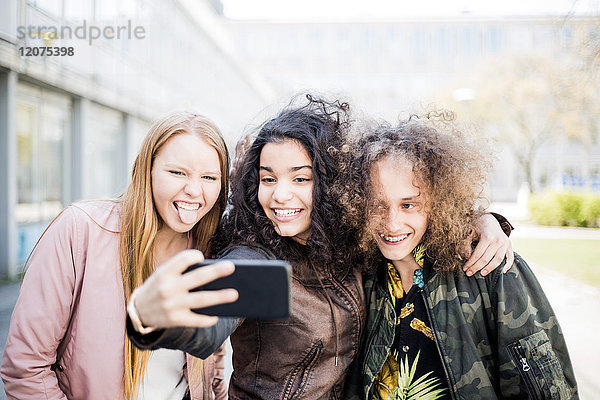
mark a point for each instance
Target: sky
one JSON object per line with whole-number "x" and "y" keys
{"x": 375, "y": 9}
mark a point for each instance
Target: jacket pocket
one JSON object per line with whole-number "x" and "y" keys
{"x": 298, "y": 378}
{"x": 539, "y": 367}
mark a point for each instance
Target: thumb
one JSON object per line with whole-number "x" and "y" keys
{"x": 181, "y": 261}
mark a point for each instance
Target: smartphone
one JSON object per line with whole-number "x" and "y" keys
{"x": 263, "y": 287}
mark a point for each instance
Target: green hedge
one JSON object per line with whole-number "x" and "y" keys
{"x": 565, "y": 208}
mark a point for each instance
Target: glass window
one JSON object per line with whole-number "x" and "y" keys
{"x": 78, "y": 10}
{"x": 470, "y": 41}
{"x": 43, "y": 135}
{"x": 494, "y": 39}
{"x": 106, "y": 168}
{"x": 137, "y": 132}
{"x": 53, "y": 7}
{"x": 8, "y": 18}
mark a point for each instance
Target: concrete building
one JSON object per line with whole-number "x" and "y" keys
{"x": 70, "y": 124}
{"x": 388, "y": 66}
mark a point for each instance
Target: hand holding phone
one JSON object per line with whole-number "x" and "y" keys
{"x": 164, "y": 299}
{"x": 263, "y": 287}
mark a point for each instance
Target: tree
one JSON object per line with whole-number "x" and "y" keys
{"x": 526, "y": 100}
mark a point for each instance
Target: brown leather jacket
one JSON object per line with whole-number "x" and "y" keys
{"x": 294, "y": 358}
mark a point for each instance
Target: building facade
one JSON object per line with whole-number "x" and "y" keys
{"x": 71, "y": 124}
{"x": 391, "y": 66}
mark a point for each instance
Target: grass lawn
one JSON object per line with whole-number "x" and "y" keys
{"x": 579, "y": 259}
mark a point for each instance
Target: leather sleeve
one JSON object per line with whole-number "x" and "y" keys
{"x": 199, "y": 342}
{"x": 504, "y": 223}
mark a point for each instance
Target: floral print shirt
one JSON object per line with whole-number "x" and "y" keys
{"x": 413, "y": 368}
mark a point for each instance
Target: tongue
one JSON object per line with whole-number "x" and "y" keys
{"x": 187, "y": 216}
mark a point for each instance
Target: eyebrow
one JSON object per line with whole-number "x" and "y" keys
{"x": 410, "y": 198}
{"x": 178, "y": 166}
{"x": 293, "y": 169}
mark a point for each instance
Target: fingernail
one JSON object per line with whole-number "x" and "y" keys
{"x": 484, "y": 272}
{"x": 469, "y": 273}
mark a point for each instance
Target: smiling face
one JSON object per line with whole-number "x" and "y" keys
{"x": 285, "y": 188}
{"x": 186, "y": 181}
{"x": 403, "y": 219}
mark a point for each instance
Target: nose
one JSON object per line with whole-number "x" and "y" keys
{"x": 193, "y": 188}
{"x": 393, "y": 221}
{"x": 282, "y": 193}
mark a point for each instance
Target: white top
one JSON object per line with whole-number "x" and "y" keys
{"x": 164, "y": 378}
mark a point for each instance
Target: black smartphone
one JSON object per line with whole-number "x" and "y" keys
{"x": 263, "y": 287}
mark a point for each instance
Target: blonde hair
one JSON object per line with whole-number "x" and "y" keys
{"x": 140, "y": 222}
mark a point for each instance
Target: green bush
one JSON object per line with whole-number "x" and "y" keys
{"x": 565, "y": 208}
{"x": 544, "y": 210}
{"x": 590, "y": 209}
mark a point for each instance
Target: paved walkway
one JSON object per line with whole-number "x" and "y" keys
{"x": 577, "y": 308}
{"x": 576, "y": 305}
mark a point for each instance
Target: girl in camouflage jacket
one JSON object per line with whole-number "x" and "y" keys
{"x": 432, "y": 332}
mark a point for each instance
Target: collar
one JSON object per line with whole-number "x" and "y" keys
{"x": 428, "y": 271}
{"x": 394, "y": 283}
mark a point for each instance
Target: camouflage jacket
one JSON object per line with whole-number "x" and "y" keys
{"x": 497, "y": 336}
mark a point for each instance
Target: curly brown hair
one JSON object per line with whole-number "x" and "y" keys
{"x": 320, "y": 126}
{"x": 449, "y": 167}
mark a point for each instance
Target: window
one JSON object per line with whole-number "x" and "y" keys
{"x": 43, "y": 135}
{"x": 105, "y": 166}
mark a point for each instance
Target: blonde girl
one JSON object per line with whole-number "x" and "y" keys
{"x": 67, "y": 335}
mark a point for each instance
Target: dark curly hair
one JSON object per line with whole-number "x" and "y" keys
{"x": 320, "y": 127}
{"x": 449, "y": 167}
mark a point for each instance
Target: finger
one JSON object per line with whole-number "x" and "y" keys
{"x": 495, "y": 262}
{"x": 201, "y": 321}
{"x": 468, "y": 248}
{"x": 207, "y": 298}
{"x": 485, "y": 259}
{"x": 203, "y": 275}
{"x": 475, "y": 260}
{"x": 180, "y": 262}
{"x": 510, "y": 259}
{"x": 190, "y": 319}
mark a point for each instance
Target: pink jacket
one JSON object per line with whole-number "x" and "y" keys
{"x": 79, "y": 253}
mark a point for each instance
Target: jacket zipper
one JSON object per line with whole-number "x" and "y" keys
{"x": 439, "y": 349}
{"x": 355, "y": 309}
{"x": 370, "y": 342}
{"x": 303, "y": 369}
{"x": 518, "y": 354}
